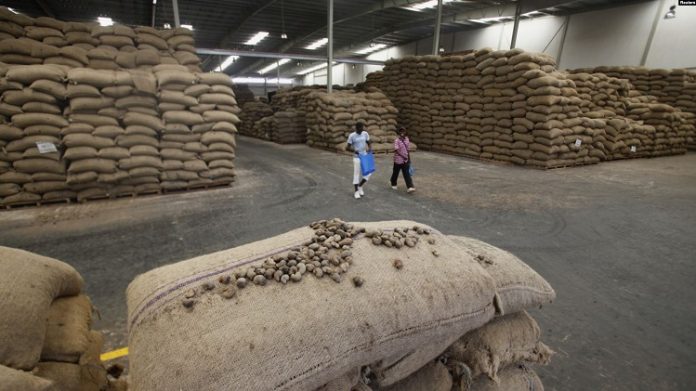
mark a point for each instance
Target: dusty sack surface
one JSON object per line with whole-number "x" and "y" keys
{"x": 67, "y": 332}
{"x": 518, "y": 286}
{"x": 513, "y": 378}
{"x": 14, "y": 380}
{"x": 506, "y": 340}
{"x": 29, "y": 284}
{"x": 432, "y": 377}
{"x": 301, "y": 335}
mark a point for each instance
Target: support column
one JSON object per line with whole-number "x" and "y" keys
{"x": 175, "y": 9}
{"x": 516, "y": 26}
{"x": 563, "y": 38}
{"x": 438, "y": 25}
{"x": 329, "y": 47}
{"x": 656, "y": 21}
{"x": 154, "y": 12}
{"x": 277, "y": 75}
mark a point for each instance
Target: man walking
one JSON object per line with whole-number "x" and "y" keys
{"x": 359, "y": 143}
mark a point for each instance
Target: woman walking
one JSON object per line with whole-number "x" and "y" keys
{"x": 402, "y": 161}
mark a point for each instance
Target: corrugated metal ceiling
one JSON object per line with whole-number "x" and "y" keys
{"x": 230, "y": 23}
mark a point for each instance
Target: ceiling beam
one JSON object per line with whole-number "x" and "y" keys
{"x": 487, "y": 10}
{"x": 238, "y": 26}
{"x": 273, "y": 55}
{"x": 379, "y": 6}
{"x": 45, "y": 8}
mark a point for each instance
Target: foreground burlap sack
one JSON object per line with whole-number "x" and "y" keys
{"x": 506, "y": 340}
{"x": 303, "y": 335}
{"x": 513, "y": 378}
{"x": 28, "y": 285}
{"x": 88, "y": 374}
{"x": 343, "y": 383}
{"x": 67, "y": 332}
{"x": 518, "y": 286}
{"x": 394, "y": 369}
{"x": 432, "y": 377}
{"x": 16, "y": 380}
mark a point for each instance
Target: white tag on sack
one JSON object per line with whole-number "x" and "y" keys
{"x": 633, "y": 148}
{"x": 46, "y": 147}
{"x": 578, "y": 143}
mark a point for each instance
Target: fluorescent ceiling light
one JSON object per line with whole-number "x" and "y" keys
{"x": 317, "y": 44}
{"x": 228, "y": 61}
{"x": 533, "y": 14}
{"x": 428, "y": 4}
{"x": 314, "y": 68}
{"x": 261, "y": 80}
{"x": 154, "y": 2}
{"x": 372, "y": 48}
{"x": 105, "y": 21}
{"x": 491, "y": 20}
{"x": 187, "y": 26}
{"x": 258, "y": 37}
{"x": 274, "y": 66}
{"x": 12, "y": 10}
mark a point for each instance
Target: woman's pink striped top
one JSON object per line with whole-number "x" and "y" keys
{"x": 401, "y": 150}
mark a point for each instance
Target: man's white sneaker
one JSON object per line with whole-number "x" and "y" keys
{"x": 411, "y": 189}
{"x": 357, "y": 195}
{"x": 393, "y": 187}
{"x": 360, "y": 190}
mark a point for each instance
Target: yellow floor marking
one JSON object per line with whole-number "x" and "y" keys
{"x": 114, "y": 354}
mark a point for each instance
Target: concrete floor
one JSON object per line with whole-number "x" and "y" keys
{"x": 616, "y": 240}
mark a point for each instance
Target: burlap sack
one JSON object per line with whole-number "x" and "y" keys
{"x": 30, "y": 283}
{"x": 67, "y": 376}
{"x": 439, "y": 291}
{"x": 432, "y": 377}
{"x": 16, "y": 380}
{"x": 513, "y": 378}
{"x": 506, "y": 340}
{"x": 343, "y": 383}
{"x": 31, "y": 73}
{"x": 37, "y": 165}
{"x": 214, "y": 78}
{"x": 391, "y": 371}
{"x": 67, "y": 330}
{"x": 518, "y": 286}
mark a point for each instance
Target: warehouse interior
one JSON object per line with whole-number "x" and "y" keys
{"x": 186, "y": 203}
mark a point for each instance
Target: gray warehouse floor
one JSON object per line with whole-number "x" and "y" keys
{"x": 617, "y": 241}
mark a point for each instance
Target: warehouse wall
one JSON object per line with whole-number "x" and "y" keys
{"x": 614, "y": 36}
{"x": 674, "y": 44}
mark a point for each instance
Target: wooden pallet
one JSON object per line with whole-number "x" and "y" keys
{"x": 199, "y": 187}
{"x": 29, "y": 204}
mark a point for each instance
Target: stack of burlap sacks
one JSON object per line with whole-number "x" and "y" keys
{"x": 117, "y": 131}
{"x": 243, "y": 94}
{"x": 439, "y": 313}
{"x": 31, "y": 111}
{"x": 283, "y": 127}
{"x": 288, "y": 127}
{"x": 609, "y": 98}
{"x": 502, "y": 105}
{"x": 45, "y": 327}
{"x": 252, "y": 112}
{"x": 43, "y": 40}
{"x": 512, "y": 106}
{"x": 199, "y": 114}
{"x": 673, "y": 87}
{"x": 330, "y": 118}
{"x": 111, "y": 144}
